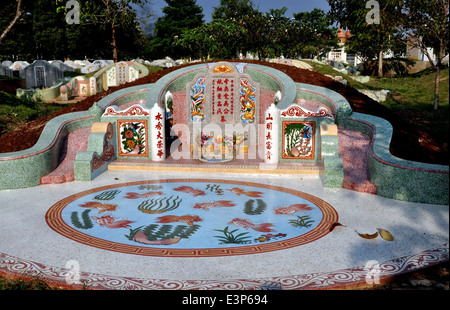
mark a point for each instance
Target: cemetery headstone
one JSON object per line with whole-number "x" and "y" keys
{"x": 222, "y": 97}
{"x": 19, "y": 65}
{"x": 7, "y": 63}
{"x": 41, "y": 74}
{"x": 4, "y": 70}
{"x": 63, "y": 66}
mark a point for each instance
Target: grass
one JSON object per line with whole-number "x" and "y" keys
{"x": 21, "y": 284}
{"x": 15, "y": 112}
{"x": 411, "y": 97}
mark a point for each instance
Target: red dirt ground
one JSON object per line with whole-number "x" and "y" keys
{"x": 408, "y": 142}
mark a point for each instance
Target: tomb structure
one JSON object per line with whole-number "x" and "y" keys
{"x": 243, "y": 115}
{"x": 152, "y": 127}
{"x": 41, "y": 74}
{"x": 222, "y": 108}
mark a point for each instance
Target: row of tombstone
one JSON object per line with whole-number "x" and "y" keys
{"x": 85, "y": 66}
{"x": 113, "y": 75}
{"x": 43, "y": 74}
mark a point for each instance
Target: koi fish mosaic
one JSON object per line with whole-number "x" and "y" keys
{"x": 192, "y": 218}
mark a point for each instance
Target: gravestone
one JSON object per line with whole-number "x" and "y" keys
{"x": 101, "y": 63}
{"x": 121, "y": 73}
{"x": 41, "y": 74}
{"x": 72, "y": 64}
{"x": 19, "y": 65}
{"x": 4, "y": 70}
{"x": 7, "y": 63}
{"x": 63, "y": 66}
{"x": 90, "y": 67}
{"x": 222, "y": 99}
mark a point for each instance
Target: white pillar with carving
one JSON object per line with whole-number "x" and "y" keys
{"x": 92, "y": 86}
{"x": 271, "y": 135}
{"x": 157, "y": 133}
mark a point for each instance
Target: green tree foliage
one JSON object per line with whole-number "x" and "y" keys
{"x": 48, "y": 30}
{"x": 237, "y": 27}
{"x": 115, "y": 17}
{"x": 179, "y": 16}
{"x": 221, "y": 38}
{"x": 420, "y": 24}
{"x": 41, "y": 32}
{"x": 235, "y": 10}
{"x": 425, "y": 24}
{"x": 369, "y": 40}
{"x": 17, "y": 42}
{"x": 317, "y": 28}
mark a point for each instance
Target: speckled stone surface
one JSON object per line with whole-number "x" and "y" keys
{"x": 395, "y": 177}
{"x": 77, "y": 141}
{"x": 354, "y": 149}
{"x": 420, "y": 234}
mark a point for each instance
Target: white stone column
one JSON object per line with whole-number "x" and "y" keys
{"x": 271, "y": 135}
{"x": 157, "y": 133}
{"x": 92, "y": 86}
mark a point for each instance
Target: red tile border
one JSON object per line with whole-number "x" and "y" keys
{"x": 55, "y": 221}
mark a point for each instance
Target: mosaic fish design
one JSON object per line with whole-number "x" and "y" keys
{"x": 101, "y": 207}
{"x": 188, "y": 219}
{"x": 190, "y": 190}
{"x": 246, "y": 224}
{"x": 240, "y": 191}
{"x": 213, "y": 204}
{"x": 291, "y": 209}
{"x": 145, "y": 195}
{"x": 110, "y": 222}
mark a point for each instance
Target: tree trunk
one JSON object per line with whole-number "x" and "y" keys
{"x": 114, "y": 43}
{"x": 15, "y": 19}
{"x": 380, "y": 64}
{"x": 436, "y": 88}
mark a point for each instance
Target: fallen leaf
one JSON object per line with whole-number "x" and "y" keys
{"x": 367, "y": 236}
{"x": 336, "y": 225}
{"x": 386, "y": 235}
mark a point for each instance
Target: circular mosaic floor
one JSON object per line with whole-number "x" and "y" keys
{"x": 192, "y": 218}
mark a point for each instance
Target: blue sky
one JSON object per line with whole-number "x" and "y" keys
{"x": 294, "y": 6}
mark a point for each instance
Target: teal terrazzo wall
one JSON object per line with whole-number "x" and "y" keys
{"x": 25, "y": 168}
{"x": 271, "y": 79}
{"x": 97, "y": 146}
{"x": 125, "y": 95}
{"x": 394, "y": 177}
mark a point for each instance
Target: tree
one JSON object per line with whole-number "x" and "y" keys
{"x": 220, "y": 38}
{"x": 17, "y": 43}
{"x": 425, "y": 24}
{"x": 179, "y": 15}
{"x": 317, "y": 30}
{"x": 368, "y": 39}
{"x": 13, "y": 21}
{"x": 116, "y": 15}
{"x": 235, "y": 10}
{"x": 48, "y": 31}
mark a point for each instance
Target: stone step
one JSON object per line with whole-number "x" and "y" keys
{"x": 76, "y": 141}
{"x": 197, "y": 166}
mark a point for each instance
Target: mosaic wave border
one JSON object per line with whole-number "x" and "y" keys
{"x": 13, "y": 266}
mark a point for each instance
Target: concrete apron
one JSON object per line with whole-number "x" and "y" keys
{"x": 341, "y": 258}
